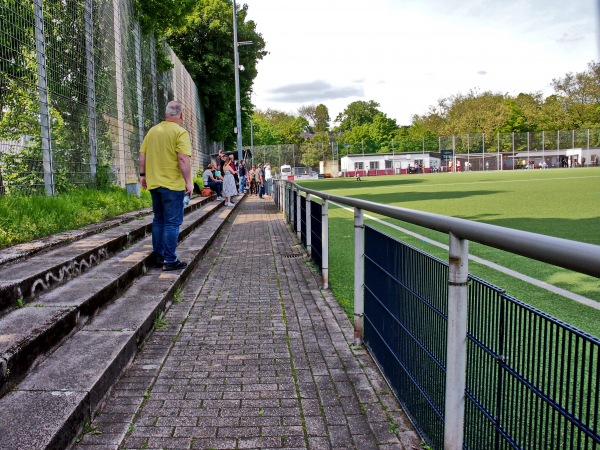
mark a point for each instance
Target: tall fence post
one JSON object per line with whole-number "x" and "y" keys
{"x": 154, "y": 80}
{"x": 119, "y": 151}
{"x": 308, "y": 228}
{"x": 359, "y": 275}
{"x": 40, "y": 47}
{"x": 91, "y": 87}
{"x": 325, "y": 244}
{"x": 456, "y": 356}
{"x": 138, "y": 80}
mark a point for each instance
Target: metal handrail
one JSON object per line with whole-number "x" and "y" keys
{"x": 565, "y": 253}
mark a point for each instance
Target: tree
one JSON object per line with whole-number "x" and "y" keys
{"x": 163, "y": 17}
{"x": 318, "y": 115}
{"x": 322, "y": 118}
{"x": 277, "y": 127}
{"x": 205, "y": 47}
{"x": 552, "y": 114}
{"x": 360, "y": 140}
{"x": 358, "y": 113}
{"x": 579, "y": 95}
{"x": 382, "y": 131}
{"x": 309, "y": 112}
{"x": 313, "y": 150}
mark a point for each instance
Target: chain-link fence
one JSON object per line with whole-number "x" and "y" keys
{"x": 475, "y": 151}
{"x": 519, "y": 142}
{"x": 277, "y": 155}
{"x": 79, "y": 88}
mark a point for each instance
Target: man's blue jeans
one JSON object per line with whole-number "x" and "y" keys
{"x": 242, "y": 184}
{"x": 216, "y": 185}
{"x": 167, "y": 206}
{"x": 268, "y": 186}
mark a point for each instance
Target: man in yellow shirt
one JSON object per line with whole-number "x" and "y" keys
{"x": 165, "y": 170}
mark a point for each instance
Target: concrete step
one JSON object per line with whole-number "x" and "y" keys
{"x": 30, "y": 331}
{"x": 26, "y": 271}
{"x": 26, "y": 250}
{"x": 49, "y": 406}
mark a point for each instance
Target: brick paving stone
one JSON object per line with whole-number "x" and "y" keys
{"x": 256, "y": 356}
{"x": 318, "y": 443}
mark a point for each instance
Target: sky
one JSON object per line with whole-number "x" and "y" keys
{"x": 408, "y": 54}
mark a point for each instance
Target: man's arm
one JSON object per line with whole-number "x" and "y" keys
{"x": 142, "y": 168}
{"x": 186, "y": 170}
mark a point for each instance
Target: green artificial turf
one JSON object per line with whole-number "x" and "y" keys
{"x": 561, "y": 202}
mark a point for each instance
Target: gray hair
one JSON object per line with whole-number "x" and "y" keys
{"x": 174, "y": 108}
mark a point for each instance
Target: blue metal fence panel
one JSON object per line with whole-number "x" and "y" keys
{"x": 293, "y": 210}
{"x": 405, "y": 326}
{"x": 544, "y": 378}
{"x": 533, "y": 382}
{"x": 315, "y": 234}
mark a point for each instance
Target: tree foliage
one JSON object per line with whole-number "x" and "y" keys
{"x": 574, "y": 105}
{"x": 273, "y": 127}
{"x": 315, "y": 150}
{"x": 358, "y": 113}
{"x": 322, "y": 118}
{"x": 163, "y": 17}
{"x": 318, "y": 115}
{"x": 579, "y": 96}
{"x": 205, "y": 47}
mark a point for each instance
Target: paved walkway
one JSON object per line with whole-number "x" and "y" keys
{"x": 253, "y": 355}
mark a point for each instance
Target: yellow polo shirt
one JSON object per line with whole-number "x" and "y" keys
{"x": 161, "y": 146}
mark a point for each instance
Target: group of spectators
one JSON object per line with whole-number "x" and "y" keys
{"x": 229, "y": 180}
{"x": 260, "y": 180}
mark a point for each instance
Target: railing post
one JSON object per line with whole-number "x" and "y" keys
{"x": 286, "y": 203}
{"x": 308, "y": 229}
{"x": 299, "y": 214}
{"x": 359, "y": 275}
{"x": 325, "y": 244}
{"x": 456, "y": 356}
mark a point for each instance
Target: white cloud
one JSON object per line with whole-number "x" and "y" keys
{"x": 316, "y": 91}
{"x": 407, "y": 54}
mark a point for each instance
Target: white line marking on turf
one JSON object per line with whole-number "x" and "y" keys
{"x": 505, "y": 181}
{"x": 542, "y": 284}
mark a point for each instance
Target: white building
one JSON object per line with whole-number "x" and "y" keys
{"x": 389, "y": 163}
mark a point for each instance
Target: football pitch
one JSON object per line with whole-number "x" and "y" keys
{"x": 563, "y": 203}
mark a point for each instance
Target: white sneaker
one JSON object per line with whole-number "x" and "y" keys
{"x": 228, "y": 204}
{"x": 219, "y": 198}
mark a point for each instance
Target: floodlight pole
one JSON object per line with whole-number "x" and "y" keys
{"x": 238, "y": 106}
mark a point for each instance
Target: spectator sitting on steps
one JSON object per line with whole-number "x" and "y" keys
{"x": 209, "y": 180}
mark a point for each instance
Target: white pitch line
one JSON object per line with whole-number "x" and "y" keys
{"x": 459, "y": 183}
{"x": 542, "y": 284}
